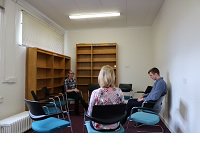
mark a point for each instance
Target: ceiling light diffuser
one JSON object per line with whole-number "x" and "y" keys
{"x": 94, "y": 15}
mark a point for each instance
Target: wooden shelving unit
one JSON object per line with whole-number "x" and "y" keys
{"x": 90, "y": 58}
{"x": 45, "y": 68}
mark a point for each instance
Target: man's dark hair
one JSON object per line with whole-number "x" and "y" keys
{"x": 154, "y": 70}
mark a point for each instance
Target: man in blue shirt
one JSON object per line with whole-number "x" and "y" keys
{"x": 159, "y": 89}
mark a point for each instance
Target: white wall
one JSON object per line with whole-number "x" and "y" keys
{"x": 177, "y": 44}
{"x": 176, "y": 35}
{"x": 135, "y": 55}
{"x": 12, "y": 67}
{"x": 134, "y": 49}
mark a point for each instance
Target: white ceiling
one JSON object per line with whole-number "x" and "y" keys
{"x": 133, "y": 12}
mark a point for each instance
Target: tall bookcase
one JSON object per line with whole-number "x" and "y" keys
{"x": 45, "y": 68}
{"x": 90, "y": 58}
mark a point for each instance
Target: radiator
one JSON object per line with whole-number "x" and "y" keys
{"x": 16, "y": 124}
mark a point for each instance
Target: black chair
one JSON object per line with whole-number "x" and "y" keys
{"x": 127, "y": 90}
{"x": 155, "y": 106}
{"x": 91, "y": 88}
{"x": 48, "y": 104}
{"x": 148, "y": 114}
{"x": 106, "y": 114}
{"x": 34, "y": 96}
{"x": 68, "y": 100}
{"x": 58, "y": 98}
{"x": 43, "y": 122}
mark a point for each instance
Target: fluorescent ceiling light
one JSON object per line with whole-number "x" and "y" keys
{"x": 94, "y": 15}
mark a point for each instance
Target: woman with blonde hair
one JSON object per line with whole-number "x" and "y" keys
{"x": 107, "y": 94}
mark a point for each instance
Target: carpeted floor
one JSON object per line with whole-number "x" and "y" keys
{"x": 77, "y": 124}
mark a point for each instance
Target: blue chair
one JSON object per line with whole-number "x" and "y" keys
{"x": 59, "y": 99}
{"x": 45, "y": 123}
{"x": 106, "y": 114}
{"x": 48, "y": 104}
{"x": 148, "y": 114}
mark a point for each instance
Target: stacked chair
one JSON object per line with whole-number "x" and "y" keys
{"x": 44, "y": 122}
{"x": 48, "y": 104}
{"x": 55, "y": 103}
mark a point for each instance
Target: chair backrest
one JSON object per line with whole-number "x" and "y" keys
{"x": 91, "y": 88}
{"x": 158, "y": 105}
{"x": 109, "y": 114}
{"x": 46, "y": 92}
{"x": 34, "y": 96}
{"x": 125, "y": 87}
{"x": 34, "y": 108}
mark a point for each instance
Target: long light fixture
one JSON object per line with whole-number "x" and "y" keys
{"x": 94, "y": 15}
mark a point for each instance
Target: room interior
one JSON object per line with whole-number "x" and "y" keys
{"x": 160, "y": 33}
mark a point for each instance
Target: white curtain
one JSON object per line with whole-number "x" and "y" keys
{"x": 1, "y": 27}
{"x": 37, "y": 33}
{"x": 1, "y": 39}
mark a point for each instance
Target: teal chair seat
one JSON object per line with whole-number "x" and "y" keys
{"x": 45, "y": 122}
{"x": 147, "y": 114}
{"x": 145, "y": 118}
{"x": 49, "y": 125}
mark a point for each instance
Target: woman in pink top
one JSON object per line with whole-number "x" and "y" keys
{"x": 107, "y": 94}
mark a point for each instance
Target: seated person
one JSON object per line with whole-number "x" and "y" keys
{"x": 72, "y": 91}
{"x": 107, "y": 94}
{"x": 159, "y": 89}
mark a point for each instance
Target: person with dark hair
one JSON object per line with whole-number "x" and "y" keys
{"x": 73, "y": 92}
{"x": 159, "y": 89}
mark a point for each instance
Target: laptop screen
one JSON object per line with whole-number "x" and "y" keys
{"x": 148, "y": 89}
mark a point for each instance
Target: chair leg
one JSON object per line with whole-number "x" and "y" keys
{"x": 84, "y": 122}
{"x": 71, "y": 129}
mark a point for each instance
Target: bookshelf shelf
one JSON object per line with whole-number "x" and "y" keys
{"x": 89, "y": 60}
{"x": 45, "y": 68}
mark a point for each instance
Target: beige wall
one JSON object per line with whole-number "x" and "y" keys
{"x": 135, "y": 55}
{"x": 177, "y": 43}
{"x": 134, "y": 49}
{"x": 173, "y": 46}
{"x": 12, "y": 67}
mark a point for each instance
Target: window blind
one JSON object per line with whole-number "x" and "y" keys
{"x": 1, "y": 29}
{"x": 1, "y": 42}
{"x": 38, "y": 33}
{"x": 1, "y": 3}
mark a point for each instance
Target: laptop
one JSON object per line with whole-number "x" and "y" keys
{"x": 148, "y": 89}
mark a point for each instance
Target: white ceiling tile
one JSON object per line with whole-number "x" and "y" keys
{"x": 133, "y": 12}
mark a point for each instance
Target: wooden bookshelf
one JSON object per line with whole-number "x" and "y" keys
{"x": 45, "y": 68}
{"x": 89, "y": 60}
